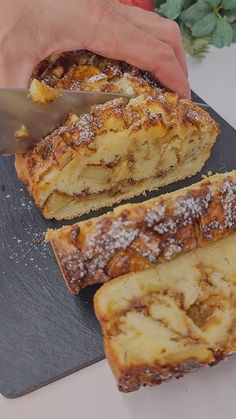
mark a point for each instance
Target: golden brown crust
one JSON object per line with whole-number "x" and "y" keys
{"x": 133, "y": 237}
{"x": 84, "y": 70}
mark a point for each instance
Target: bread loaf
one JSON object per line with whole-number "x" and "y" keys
{"x": 136, "y": 236}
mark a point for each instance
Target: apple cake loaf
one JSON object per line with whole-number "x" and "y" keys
{"x": 136, "y": 236}
{"x": 170, "y": 319}
{"x": 117, "y": 150}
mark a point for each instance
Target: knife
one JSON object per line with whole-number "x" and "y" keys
{"x": 17, "y": 109}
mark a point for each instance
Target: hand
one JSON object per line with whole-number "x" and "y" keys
{"x": 32, "y": 30}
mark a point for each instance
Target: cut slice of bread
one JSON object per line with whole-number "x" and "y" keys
{"x": 135, "y": 236}
{"x": 168, "y": 320}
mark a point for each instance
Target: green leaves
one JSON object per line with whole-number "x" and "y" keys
{"x": 214, "y": 3}
{"x": 233, "y": 26}
{"x": 171, "y": 8}
{"x": 195, "y": 12}
{"x": 223, "y": 34}
{"x": 204, "y": 26}
{"x": 186, "y": 3}
{"x": 157, "y": 3}
{"x": 202, "y": 22}
{"x": 229, "y": 4}
{"x": 197, "y": 47}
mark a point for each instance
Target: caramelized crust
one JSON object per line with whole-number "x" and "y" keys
{"x": 168, "y": 320}
{"x": 116, "y": 151}
{"x": 84, "y": 70}
{"x": 134, "y": 237}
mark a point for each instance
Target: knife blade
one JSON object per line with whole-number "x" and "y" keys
{"x": 17, "y": 109}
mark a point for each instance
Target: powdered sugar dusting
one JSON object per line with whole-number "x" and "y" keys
{"x": 192, "y": 207}
{"x": 84, "y": 126}
{"x": 103, "y": 245}
{"x": 26, "y": 246}
{"x": 184, "y": 211}
{"x": 208, "y": 229}
{"x": 82, "y": 130}
{"x": 168, "y": 226}
{"x": 172, "y": 248}
{"x": 23, "y": 251}
{"x": 148, "y": 246}
{"x": 155, "y": 215}
{"x": 228, "y": 201}
{"x": 194, "y": 114}
{"x": 74, "y": 266}
{"x": 96, "y": 77}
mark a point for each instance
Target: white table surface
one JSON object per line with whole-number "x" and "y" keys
{"x": 208, "y": 393}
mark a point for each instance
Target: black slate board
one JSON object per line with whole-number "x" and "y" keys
{"x": 46, "y": 333}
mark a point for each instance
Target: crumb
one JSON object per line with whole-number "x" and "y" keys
{"x": 36, "y": 241}
{"x": 22, "y": 132}
{"x": 209, "y": 173}
{"x": 41, "y": 93}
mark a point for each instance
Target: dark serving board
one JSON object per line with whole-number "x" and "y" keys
{"x": 46, "y": 333}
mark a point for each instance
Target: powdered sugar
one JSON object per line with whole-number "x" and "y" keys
{"x": 31, "y": 252}
{"x": 148, "y": 246}
{"x": 26, "y": 246}
{"x": 96, "y": 77}
{"x": 197, "y": 115}
{"x": 103, "y": 245}
{"x": 192, "y": 207}
{"x": 172, "y": 248}
{"x": 86, "y": 133}
{"x": 185, "y": 209}
{"x": 85, "y": 128}
{"x": 155, "y": 215}
{"x": 168, "y": 226}
{"x": 208, "y": 229}
{"x": 228, "y": 201}
{"x": 75, "y": 266}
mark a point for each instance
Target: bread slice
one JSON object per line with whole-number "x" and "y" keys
{"x": 136, "y": 236}
{"x": 117, "y": 150}
{"x": 168, "y": 320}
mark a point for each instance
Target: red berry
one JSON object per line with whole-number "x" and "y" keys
{"x": 144, "y": 4}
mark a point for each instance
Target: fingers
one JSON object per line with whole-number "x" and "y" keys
{"x": 162, "y": 29}
{"x": 115, "y": 37}
{"x": 13, "y": 75}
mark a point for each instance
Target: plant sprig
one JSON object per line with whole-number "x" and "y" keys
{"x": 202, "y": 22}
